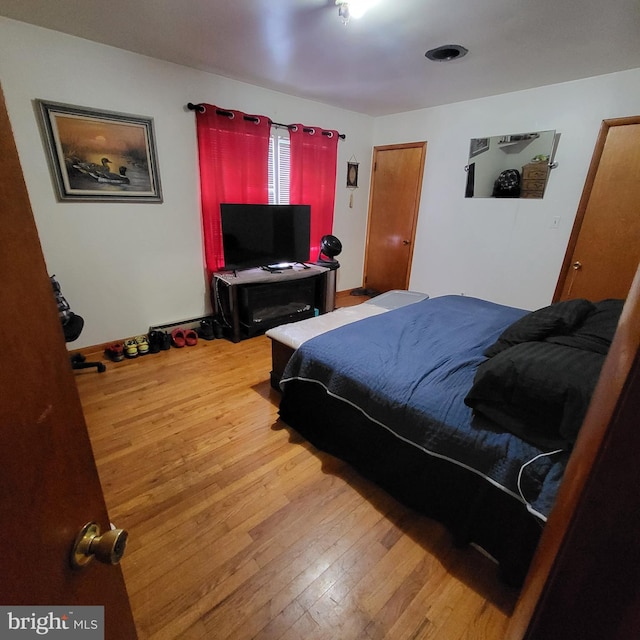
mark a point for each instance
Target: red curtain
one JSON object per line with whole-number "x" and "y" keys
{"x": 314, "y": 154}
{"x": 233, "y": 149}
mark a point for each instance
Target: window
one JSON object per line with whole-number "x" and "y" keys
{"x": 279, "y": 166}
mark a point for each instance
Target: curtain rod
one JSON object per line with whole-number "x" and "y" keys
{"x": 199, "y": 107}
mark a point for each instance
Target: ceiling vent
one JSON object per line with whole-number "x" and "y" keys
{"x": 446, "y": 52}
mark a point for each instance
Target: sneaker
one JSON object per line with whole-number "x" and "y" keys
{"x": 115, "y": 352}
{"x": 143, "y": 345}
{"x": 205, "y": 331}
{"x": 131, "y": 348}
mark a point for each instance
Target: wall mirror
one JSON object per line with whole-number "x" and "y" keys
{"x": 510, "y": 166}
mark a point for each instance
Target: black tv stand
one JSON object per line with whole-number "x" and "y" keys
{"x": 249, "y": 302}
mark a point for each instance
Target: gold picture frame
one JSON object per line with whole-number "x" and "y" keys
{"x": 100, "y": 156}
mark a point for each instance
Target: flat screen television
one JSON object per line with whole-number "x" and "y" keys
{"x": 265, "y": 235}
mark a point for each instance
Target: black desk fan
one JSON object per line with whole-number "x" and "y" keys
{"x": 330, "y": 247}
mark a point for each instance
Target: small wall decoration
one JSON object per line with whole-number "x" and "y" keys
{"x": 352, "y": 175}
{"x": 478, "y": 146}
{"x": 100, "y": 155}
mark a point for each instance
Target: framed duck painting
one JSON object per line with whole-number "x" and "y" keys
{"x": 97, "y": 155}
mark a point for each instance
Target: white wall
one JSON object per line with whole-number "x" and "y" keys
{"x": 504, "y": 250}
{"x": 124, "y": 266}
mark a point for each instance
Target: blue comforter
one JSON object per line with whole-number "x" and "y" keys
{"x": 409, "y": 370}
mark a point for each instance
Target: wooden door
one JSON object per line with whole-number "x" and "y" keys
{"x": 604, "y": 248}
{"x": 393, "y": 213}
{"x": 50, "y": 486}
{"x": 583, "y": 581}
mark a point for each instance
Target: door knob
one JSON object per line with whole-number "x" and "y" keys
{"x": 89, "y": 544}
{"x": 405, "y": 242}
{"x": 577, "y": 265}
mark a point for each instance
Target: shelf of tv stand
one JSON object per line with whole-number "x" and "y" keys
{"x": 232, "y": 294}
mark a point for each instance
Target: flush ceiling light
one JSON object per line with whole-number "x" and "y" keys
{"x": 446, "y": 52}
{"x": 348, "y": 9}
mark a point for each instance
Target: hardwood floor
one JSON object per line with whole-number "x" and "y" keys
{"x": 240, "y": 529}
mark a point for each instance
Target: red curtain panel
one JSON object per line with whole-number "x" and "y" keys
{"x": 233, "y": 149}
{"x": 314, "y": 154}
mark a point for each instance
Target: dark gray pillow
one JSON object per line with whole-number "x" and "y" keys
{"x": 537, "y": 390}
{"x": 556, "y": 319}
{"x": 596, "y": 332}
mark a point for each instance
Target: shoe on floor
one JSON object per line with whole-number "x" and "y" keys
{"x": 165, "y": 343}
{"x": 143, "y": 345}
{"x": 205, "y": 331}
{"x": 155, "y": 341}
{"x": 190, "y": 337}
{"x": 159, "y": 341}
{"x": 115, "y": 352}
{"x": 178, "y": 338}
{"x": 131, "y": 348}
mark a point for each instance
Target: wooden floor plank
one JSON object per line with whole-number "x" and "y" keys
{"x": 241, "y": 529}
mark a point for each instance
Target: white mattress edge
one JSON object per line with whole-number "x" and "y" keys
{"x": 295, "y": 333}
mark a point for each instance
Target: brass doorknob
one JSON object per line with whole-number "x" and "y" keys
{"x": 89, "y": 544}
{"x": 577, "y": 265}
{"x": 405, "y": 242}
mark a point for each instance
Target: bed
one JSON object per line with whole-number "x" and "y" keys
{"x": 463, "y": 409}
{"x": 286, "y": 338}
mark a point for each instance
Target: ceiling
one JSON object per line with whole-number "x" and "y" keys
{"x": 375, "y": 65}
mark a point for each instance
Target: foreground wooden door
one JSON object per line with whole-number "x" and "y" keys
{"x": 50, "y": 487}
{"x": 583, "y": 581}
{"x": 393, "y": 213}
{"x": 604, "y": 248}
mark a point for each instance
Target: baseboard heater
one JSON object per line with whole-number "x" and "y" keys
{"x": 191, "y": 323}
